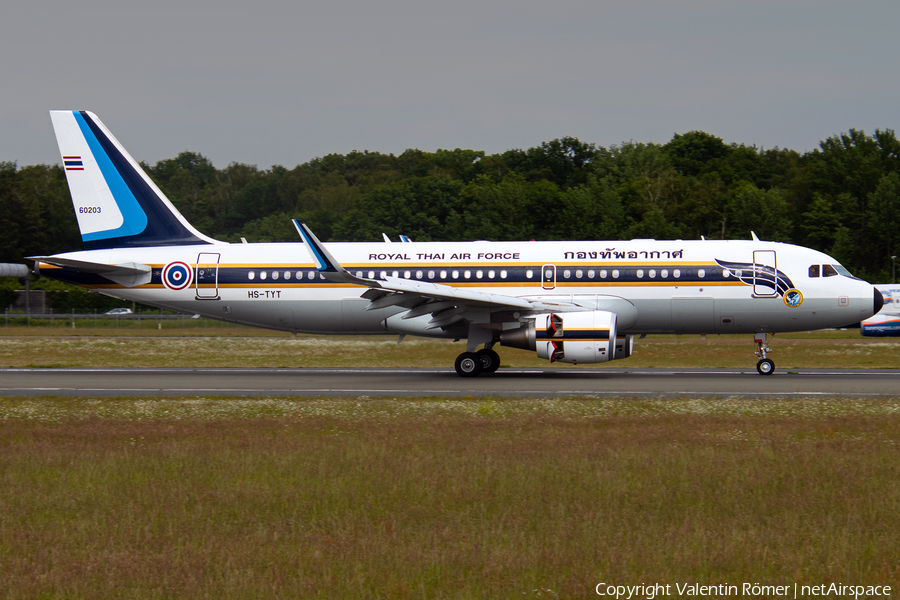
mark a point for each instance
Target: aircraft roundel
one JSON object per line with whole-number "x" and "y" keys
{"x": 177, "y": 275}
{"x": 793, "y": 298}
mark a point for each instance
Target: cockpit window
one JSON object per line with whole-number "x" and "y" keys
{"x": 814, "y": 270}
{"x": 828, "y": 271}
{"x": 843, "y": 271}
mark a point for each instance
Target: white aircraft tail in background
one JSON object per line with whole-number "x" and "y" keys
{"x": 887, "y": 321}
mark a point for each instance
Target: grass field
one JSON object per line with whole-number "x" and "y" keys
{"x": 248, "y": 347}
{"x": 441, "y": 498}
{"x": 435, "y": 497}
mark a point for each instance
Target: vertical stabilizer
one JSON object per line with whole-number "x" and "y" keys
{"x": 116, "y": 203}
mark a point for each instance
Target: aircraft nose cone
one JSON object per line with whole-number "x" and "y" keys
{"x": 879, "y": 301}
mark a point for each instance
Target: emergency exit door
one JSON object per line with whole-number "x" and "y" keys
{"x": 765, "y": 273}
{"x": 206, "y": 284}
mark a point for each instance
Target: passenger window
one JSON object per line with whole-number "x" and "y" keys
{"x": 814, "y": 270}
{"x": 828, "y": 271}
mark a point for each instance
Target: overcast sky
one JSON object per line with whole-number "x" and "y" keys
{"x": 267, "y": 82}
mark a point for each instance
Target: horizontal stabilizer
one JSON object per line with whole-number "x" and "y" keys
{"x": 127, "y": 274}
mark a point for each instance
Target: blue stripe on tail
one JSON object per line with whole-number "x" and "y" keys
{"x": 135, "y": 219}
{"x": 148, "y": 220}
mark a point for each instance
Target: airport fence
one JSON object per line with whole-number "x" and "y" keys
{"x": 137, "y": 320}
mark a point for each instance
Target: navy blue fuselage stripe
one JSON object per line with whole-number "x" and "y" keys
{"x": 163, "y": 229}
{"x": 570, "y": 335}
{"x": 765, "y": 275}
{"x": 515, "y": 275}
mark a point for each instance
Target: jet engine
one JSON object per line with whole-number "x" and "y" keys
{"x": 572, "y": 337}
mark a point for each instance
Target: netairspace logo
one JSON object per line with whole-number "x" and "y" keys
{"x": 650, "y": 591}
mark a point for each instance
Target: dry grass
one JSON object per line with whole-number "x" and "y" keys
{"x": 441, "y": 498}
{"x": 147, "y": 327}
{"x": 223, "y": 349}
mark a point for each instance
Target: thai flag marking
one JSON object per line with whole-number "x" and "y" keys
{"x": 73, "y": 163}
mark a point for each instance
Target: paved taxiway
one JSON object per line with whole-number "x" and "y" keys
{"x": 441, "y": 382}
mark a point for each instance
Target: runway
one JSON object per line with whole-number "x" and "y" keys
{"x": 443, "y": 382}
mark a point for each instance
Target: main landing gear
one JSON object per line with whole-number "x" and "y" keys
{"x": 472, "y": 364}
{"x": 765, "y": 366}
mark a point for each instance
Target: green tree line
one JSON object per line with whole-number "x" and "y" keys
{"x": 842, "y": 198}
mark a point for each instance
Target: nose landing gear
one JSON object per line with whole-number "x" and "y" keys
{"x": 765, "y": 366}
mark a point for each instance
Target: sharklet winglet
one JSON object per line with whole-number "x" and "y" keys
{"x": 327, "y": 264}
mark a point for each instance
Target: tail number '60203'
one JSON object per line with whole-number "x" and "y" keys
{"x": 89, "y": 209}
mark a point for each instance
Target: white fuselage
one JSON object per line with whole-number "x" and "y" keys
{"x": 653, "y": 286}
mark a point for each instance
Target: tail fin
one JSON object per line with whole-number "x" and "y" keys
{"x": 116, "y": 203}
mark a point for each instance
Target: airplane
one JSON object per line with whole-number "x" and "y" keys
{"x": 568, "y": 301}
{"x": 887, "y": 321}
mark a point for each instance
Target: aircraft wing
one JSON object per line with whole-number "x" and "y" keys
{"x": 127, "y": 274}
{"x": 437, "y": 291}
{"x": 447, "y": 304}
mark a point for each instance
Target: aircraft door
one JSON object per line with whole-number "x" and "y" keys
{"x": 765, "y": 282}
{"x": 548, "y": 277}
{"x": 206, "y": 283}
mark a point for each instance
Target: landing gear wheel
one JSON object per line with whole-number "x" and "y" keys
{"x": 765, "y": 366}
{"x": 490, "y": 360}
{"x": 469, "y": 364}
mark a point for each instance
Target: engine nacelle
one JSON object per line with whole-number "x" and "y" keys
{"x": 573, "y": 337}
